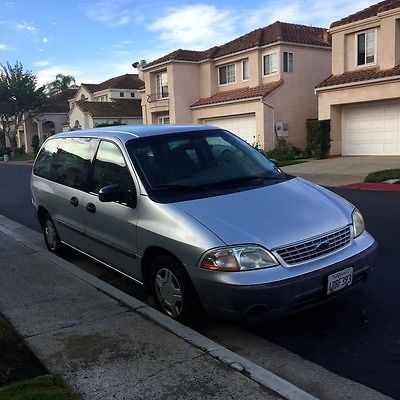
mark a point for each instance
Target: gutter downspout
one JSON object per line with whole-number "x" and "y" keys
{"x": 273, "y": 121}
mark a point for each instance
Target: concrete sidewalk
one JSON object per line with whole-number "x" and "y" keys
{"x": 109, "y": 345}
{"x": 341, "y": 171}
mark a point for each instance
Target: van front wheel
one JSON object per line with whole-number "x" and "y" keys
{"x": 51, "y": 237}
{"x": 171, "y": 289}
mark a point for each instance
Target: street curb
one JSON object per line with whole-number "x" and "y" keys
{"x": 384, "y": 187}
{"x": 254, "y": 372}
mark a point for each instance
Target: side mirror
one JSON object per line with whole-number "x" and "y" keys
{"x": 111, "y": 193}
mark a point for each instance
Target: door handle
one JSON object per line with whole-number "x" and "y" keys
{"x": 91, "y": 208}
{"x": 74, "y": 201}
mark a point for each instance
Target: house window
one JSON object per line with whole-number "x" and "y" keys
{"x": 270, "y": 63}
{"x": 366, "y": 47}
{"x": 227, "y": 74}
{"x": 245, "y": 70}
{"x": 162, "y": 85}
{"x": 121, "y": 94}
{"x": 132, "y": 94}
{"x": 101, "y": 98}
{"x": 287, "y": 61}
{"x": 164, "y": 119}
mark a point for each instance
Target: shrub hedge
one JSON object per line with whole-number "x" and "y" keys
{"x": 318, "y": 138}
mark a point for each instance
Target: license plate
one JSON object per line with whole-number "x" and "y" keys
{"x": 340, "y": 280}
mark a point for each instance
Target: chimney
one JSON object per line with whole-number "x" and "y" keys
{"x": 139, "y": 65}
{"x": 326, "y": 36}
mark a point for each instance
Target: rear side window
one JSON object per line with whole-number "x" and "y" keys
{"x": 66, "y": 161}
{"x": 109, "y": 168}
{"x": 44, "y": 160}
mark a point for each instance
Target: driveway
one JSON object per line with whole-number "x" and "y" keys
{"x": 341, "y": 171}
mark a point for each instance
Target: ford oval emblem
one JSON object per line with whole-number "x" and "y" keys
{"x": 322, "y": 246}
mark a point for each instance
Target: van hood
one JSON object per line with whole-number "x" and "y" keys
{"x": 271, "y": 216}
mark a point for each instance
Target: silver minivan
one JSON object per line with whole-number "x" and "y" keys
{"x": 200, "y": 218}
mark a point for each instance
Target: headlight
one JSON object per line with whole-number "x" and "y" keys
{"x": 358, "y": 223}
{"x": 238, "y": 258}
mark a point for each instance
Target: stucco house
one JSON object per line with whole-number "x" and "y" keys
{"x": 259, "y": 85}
{"x": 116, "y": 100}
{"x": 48, "y": 122}
{"x": 362, "y": 96}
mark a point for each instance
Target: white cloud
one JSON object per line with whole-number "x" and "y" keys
{"x": 45, "y": 40}
{"x": 85, "y": 73}
{"x": 48, "y": 74}
{"x": 308, "y": 12}
{"x": 197, "y": 26}
{"x": 3, "y": 47}
{"x": 25, "y": 26}
{"x": 112, "y": 13}
{"x": 120, "y": 69}
{"x": 42, "y": 63}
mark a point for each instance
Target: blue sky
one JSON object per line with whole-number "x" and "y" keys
{"x": 94, "y": 40}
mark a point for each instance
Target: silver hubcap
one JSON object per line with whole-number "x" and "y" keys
{"x": 51, "y": 236}
{"x": 169, "y": 292}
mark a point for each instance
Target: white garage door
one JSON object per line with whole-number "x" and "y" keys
{"x": 243, "y": 126}
{"x": 372, "y": 129}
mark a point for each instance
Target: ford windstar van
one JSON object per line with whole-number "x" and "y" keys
{"x": 200, "y": 218}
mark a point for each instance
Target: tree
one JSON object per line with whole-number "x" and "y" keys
{"x": 19, "y": 99}
{"x": 62, "y": 82}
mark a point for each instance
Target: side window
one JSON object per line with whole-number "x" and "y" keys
{"x": 109, "y": 168}
{"x": 71, "y": 162}
{"x": 44, "y": 160}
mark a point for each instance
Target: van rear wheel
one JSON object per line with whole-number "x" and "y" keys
{"x": 172, "y": 289}
{"x": 51, "y": 236}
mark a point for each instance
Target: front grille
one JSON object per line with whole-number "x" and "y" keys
{"x": 315, "y": 247}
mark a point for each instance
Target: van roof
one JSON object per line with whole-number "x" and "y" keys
{"x": 127, "y": 132}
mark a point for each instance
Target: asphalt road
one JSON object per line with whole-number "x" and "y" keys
{"x": 356, "y": 336}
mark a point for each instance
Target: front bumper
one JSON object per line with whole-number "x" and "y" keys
{"x": 257, "y": 302}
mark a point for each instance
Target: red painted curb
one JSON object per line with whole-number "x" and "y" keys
{"x": 375, "y": 186}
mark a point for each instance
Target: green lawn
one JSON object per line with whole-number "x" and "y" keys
{"x": 382, "y": 176}
{"x": 22, "y": 376}
{"x": 45, "y": 387}
{"x": 23, "y": 157}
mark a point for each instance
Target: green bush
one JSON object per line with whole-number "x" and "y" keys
{"x": 20, "y": 150}
{"x": 105, "y": 124}
{"x": 318, "y": 138}
{"x": 35, "y": 143}
{"x": 284, "y": 150}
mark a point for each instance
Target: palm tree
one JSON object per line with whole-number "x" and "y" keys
{"x": 62, "y": 82}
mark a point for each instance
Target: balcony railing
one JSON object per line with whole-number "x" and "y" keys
{"x": 157, "y": 96}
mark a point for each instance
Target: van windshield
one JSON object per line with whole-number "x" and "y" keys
{"x": 183, "y": 166}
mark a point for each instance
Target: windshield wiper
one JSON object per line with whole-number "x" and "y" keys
{"x": 178, "y": 187}
{"x": 244, "y": 179}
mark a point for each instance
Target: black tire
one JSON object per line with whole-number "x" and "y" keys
{"x": 51, "y": 236}
{"x": 172, "y": 289}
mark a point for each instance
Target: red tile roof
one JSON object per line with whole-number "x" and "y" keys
{"x": 368, "y": 12}
{"x": 360, "y": 76}
{"x": 127, "y": 81}
{"x": 59, "y": 102}
{"x": 112, "y": 109}
{"x": 239, "y": 94}
{"x": 276, "y": 32}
